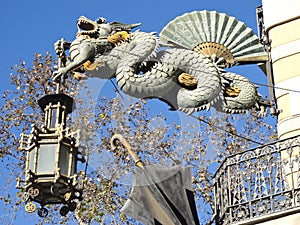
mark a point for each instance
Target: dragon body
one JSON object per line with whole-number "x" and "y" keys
{"x": 186, "y": 80}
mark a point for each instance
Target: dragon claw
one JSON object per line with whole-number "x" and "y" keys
{"x": 79, "y": 76}
{"x": 58, "y": 47}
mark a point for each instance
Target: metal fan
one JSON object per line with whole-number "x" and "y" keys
{"x": 223, "y": 38}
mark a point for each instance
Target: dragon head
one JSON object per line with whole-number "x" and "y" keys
{"x": 100, "y": 28}
{"x": 88, "y": 27}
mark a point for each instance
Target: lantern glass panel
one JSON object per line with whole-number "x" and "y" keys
{"x": 64, "y": 159}
{"x": 73, "y": 167}
{"x": 46, "y": 159}
{"x": 31, "y": 158}
{"x": 53, "y": 118}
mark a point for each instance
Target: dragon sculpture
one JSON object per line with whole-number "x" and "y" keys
{"x": 147, "y": 66}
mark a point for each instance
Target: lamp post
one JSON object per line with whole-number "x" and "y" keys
{"x": 51, "y": 175}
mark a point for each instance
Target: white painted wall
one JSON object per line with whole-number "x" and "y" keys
{"x": 276, "y": 11}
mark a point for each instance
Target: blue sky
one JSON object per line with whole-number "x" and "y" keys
{"x": 33, "y": 26}
{"x": 29, "y": 27}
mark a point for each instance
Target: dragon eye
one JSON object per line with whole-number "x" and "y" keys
{"x": 100, "y": 20}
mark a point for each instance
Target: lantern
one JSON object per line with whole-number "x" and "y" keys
{"x": 52, "y": 155}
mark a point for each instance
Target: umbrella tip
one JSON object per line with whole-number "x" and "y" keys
{"x": 119, "y": 137}
{"x": 113, "y": 141}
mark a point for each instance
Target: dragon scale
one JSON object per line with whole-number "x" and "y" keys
{"x": 246, "y": 98}
{"x": 161, "y": 79}
{"x": 153, "y": 83}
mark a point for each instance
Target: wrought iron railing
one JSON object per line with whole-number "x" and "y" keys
{"x": 258, "y": 184}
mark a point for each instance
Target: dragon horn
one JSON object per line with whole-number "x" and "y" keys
{"x": 117, "y": 26}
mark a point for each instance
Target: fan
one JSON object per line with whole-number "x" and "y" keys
{"x": 225, "y": 39}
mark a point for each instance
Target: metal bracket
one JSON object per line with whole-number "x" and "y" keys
{"x": 266, "y": 42}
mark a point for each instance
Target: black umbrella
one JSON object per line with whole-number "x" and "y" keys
{"x": 160, "y": 195}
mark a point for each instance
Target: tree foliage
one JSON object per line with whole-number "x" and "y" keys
{"x": 202, "y": 142}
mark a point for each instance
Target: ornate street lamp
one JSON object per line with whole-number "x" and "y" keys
{"x": 52, "y": 155}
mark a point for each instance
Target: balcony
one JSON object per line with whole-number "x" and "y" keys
{"x": 259, "y": 185}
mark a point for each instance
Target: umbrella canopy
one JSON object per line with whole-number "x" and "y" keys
{"x": 161, "y": 195}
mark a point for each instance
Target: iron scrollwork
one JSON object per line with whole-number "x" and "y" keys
{"x": 258, "y": 182}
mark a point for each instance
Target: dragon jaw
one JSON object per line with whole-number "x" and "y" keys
{"x": 86, "y": 26}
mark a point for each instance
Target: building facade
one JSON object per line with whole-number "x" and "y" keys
{"x": 262, "y": 185}
{"x": 282, "y": 25}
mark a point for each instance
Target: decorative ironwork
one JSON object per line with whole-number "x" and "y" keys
{"x": 261, "y": 181}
